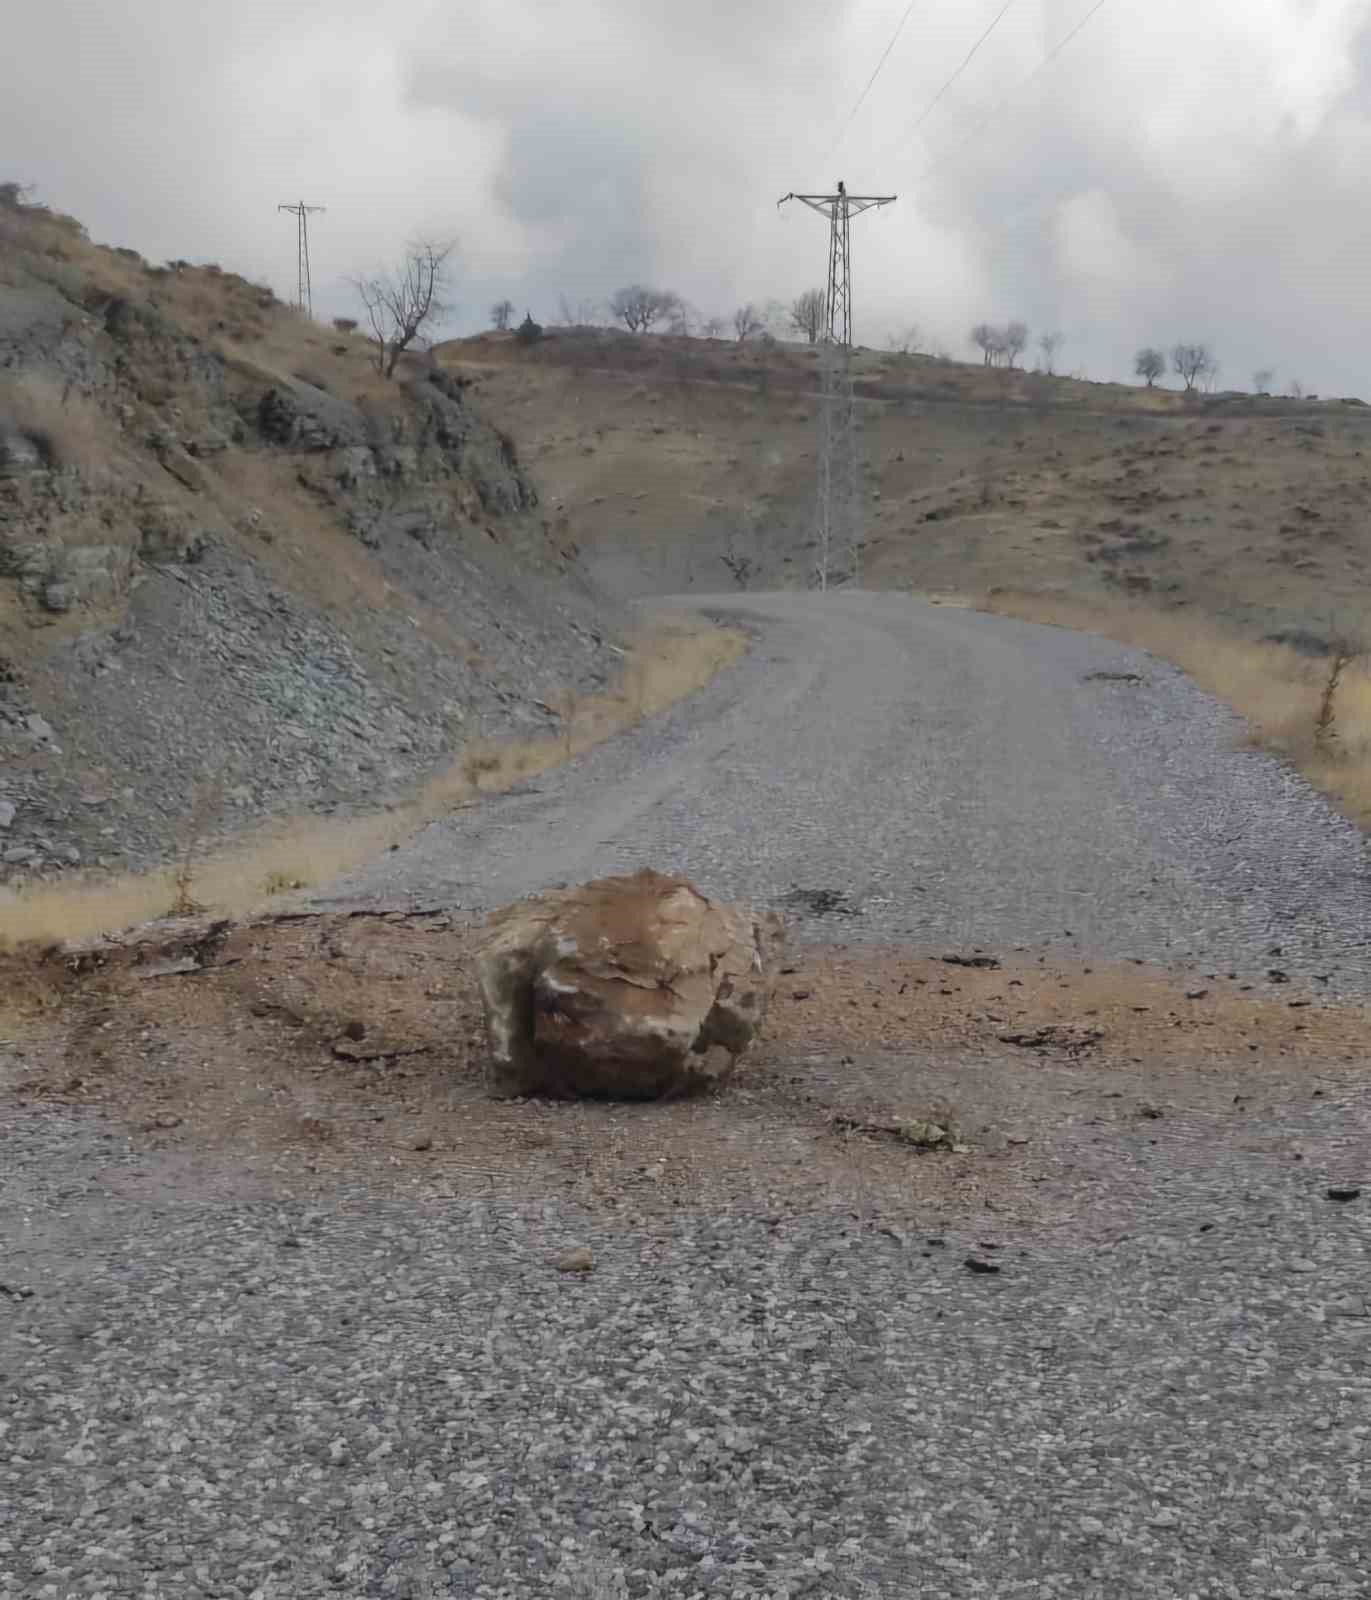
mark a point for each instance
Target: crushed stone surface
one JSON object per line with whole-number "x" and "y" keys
{"x": 884, "y": 769}
{"x": 376, "y": 1396}
{"x": 1117, "y": 1344}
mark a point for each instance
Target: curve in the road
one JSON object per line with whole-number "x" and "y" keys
{"x": 948, "y": 776}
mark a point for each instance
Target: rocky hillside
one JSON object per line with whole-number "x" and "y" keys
{"x": 241, "y": 574}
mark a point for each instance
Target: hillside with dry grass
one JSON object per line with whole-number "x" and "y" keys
{"x": 241, "y": 575}
{"x": 1229, "y": 532}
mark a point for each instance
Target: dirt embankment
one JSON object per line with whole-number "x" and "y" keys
{"x": 299, "y": 1050}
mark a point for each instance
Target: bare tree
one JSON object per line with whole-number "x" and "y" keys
{"x": 1149, "y": 363}
{"x": 1262, "y": 379}
{"x": 502, "y": 314}
{"x": 1049, "y": 344}
{"x": 713, "y": 327}
{"x": 640, "y": 308}
{"x": 1014, "y": 341}
{"x": 583, "y": 313}
{"x": 776, "y": 318}
{"x": 747, "y": 323}
{"x": 809, "y": 314}
{"x": 908, "y": 342}
{"x": 1296, "y": 389}
{"x": 685, "y": 320}
{"x": 990, "y": 341}
{"x": 408, "y": 300}
{"x": 1192, "y": 364}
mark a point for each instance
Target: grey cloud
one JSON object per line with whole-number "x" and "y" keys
{"x": 1181, "y": 171}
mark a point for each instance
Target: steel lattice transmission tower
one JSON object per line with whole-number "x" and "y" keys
{"x": 304, "y": 294}
{"x": 838, "y": 510}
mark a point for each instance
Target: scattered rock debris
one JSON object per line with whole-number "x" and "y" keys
{"x": 822, "y": 903}
{"x": 918, "y": 1132}
{"x": 1055, "y": 1036}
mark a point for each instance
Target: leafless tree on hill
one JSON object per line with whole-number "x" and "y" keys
{"x": 502, "y": 314}
{"x": 713, "y": 327}
{"x": 1192, "y": 364}
{"x": 1014, "y": 341}
{"x": 808, "y": 314}
{"x": 747, "y": 323}
{"x": 1149, "y": 364}
{"x": 408, "y": 300}
{"x": 585, "y": 313}
{"x": 1000, "y": 344}
{"x": 641, "y": 308}
{"x": 685, "y": 320}
{"x": 776, "y": 319}
{"x": 909, "y": 342}
{"x": 1049, "y": 344}
{"x": 1262, "y": 379}
{"x": 987, "y": 340}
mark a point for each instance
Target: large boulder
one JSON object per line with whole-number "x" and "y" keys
{"x": 629, "y": 988}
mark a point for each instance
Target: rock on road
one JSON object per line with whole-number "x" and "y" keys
{"x": 208, "y": 1392}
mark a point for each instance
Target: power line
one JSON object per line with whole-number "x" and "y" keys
{"x": 838, "y": 500}
{"x": 861, "y": 98}
{"x": 948, "y": 82}
{"x": 937, "y": 164}
{"x": 304, "y": 296}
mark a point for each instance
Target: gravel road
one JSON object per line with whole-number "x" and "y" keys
{"x": 949, "y": 776}
{"x": 209, "y": 1390}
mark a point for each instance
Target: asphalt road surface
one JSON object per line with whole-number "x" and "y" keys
{"x": 210, "y": 1394}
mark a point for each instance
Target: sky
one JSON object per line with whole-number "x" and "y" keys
{"x": 1189, "y": 170}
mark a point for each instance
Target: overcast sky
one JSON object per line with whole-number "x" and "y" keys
{"x": 1192, "y": 169}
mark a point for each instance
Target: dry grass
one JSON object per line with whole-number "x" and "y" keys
{"x": 243, "y": 320}
{"x": 673, "y": 659}
{"x": 1314, "y": 713}
{"x": 69, "y": 429}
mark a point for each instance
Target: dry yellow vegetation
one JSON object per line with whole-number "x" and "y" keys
{"x": 1313, "y": 712}
{"x": 671, "y": 658}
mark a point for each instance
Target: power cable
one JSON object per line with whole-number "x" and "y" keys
{"x": 861, "y": 98}
{"x": 1023, "y": 83}
{"x": 949, "y": 81}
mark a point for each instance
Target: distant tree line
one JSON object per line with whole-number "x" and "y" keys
{"x": 644, "y": 308}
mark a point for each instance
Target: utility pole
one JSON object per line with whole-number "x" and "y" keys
{"x": 304, "y": 294}
{"x": 838, "y": 512}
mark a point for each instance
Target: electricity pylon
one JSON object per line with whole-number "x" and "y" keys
{"x": 304, "y": 294}
{"x": 838, "y": 512}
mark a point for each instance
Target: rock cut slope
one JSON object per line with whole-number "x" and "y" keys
{"x": 239, "y": 572}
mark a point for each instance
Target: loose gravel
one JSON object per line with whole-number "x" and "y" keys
{"x": 948, "y": 776}
{"x": 372, "y": 1398}
{"x": 208, "y": 1390}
